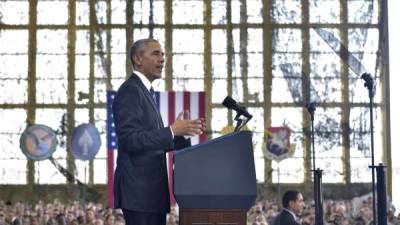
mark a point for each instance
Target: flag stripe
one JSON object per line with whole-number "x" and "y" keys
{"x": 163, "y": 96}
{"x": 186, "y": 100}
{"x": 194, "y": 113}
{"x": 110, "y": 176}
{"x": 202, "y": 112}
{"x": 178, "y": 104}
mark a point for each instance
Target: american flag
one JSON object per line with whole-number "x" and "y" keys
{"x": 170, "y": 105}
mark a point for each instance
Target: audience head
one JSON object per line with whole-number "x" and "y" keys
{"x": 293, "y": 201}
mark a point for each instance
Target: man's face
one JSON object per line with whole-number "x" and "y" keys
{"x": 150, "y": 61}
{"x": 298, "y": 205}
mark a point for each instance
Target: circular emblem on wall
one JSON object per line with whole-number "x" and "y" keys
{"x": 85, "y": 141}
{"x": 277, "y": 146}
{"x": 38, "y": 142}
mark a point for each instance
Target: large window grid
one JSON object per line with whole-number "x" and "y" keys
{"x": 263, "y": 53}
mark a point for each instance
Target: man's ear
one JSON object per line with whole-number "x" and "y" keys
{"x": 290, "y": 205}
{"x": 137, "y": 60}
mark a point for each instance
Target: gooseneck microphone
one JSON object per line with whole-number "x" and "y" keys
{"x": 311, "y": 109}
{"x": 230, "y": 103}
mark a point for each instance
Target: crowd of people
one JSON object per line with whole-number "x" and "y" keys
{"x": 346, "y": 212}
{"x": 56, "y": 213}
{"x": 338, "y": 212}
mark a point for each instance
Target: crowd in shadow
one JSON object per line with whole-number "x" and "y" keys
{"x": 346, "y": 212}
{"x": 336, "y": 212}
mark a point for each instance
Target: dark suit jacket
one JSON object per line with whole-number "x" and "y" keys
{"x": 141, "y": 180}
{"x": 285, "y": 218}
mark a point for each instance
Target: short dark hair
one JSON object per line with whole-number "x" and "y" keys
{"x": 290, "y": 195}
{"x": 139, "y": 46}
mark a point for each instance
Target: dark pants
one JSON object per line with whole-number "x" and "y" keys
{"x": 143, "y": 218}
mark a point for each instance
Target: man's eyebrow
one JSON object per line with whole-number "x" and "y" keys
{"x": 158, "y": 52}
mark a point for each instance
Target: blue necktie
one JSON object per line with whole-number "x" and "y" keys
{"x": 153, "y": 94}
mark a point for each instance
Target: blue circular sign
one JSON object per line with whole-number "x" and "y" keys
{"x": 85, "y": 142}
{"x": 38, "y": 142}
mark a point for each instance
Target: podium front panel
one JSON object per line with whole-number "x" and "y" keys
{"x": 216, "y": 174}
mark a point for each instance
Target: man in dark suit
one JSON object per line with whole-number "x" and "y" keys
{"x": 293, "y": 203}
{"x": 141, "y": 181}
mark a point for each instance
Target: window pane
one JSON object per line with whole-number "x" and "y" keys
{"x": 82, "y": 13}
{"x": 218, "y": 12}
{"x": 188, "y": 66}
{"x": 13, "y": 91}
{"x": 324, "y": 11}
{"x": 82, "y": 66}
{"x": 188, "y": 84}
{"x": 19, "y": 38}
{"x": 325, "y": 90}
{"x": 219, "y": 90}
{"x": 288, "y": 171}
{"x": 100, "y": 171}
{"x": 82, "y": 91}
{"x": 286, "y": 40}
{"x": 286, "y": 90}
{"x": 52, "y": 41}
{"x": 14, "y": 12}
{"x": 51, "y": 67}
{"x": 82, "y": 170}
{"x": 52, "y": 12}
{"x": 256, "y": 89}
{"x": 10, "y": 146}
{"x": 13, "y": 171}
{"x": 118, "y": 12}
{"x": 219, "y": 120}
{"x": 141, "y": 12}
{"x": 324, "y": 66}
{"x": 14, "y": 66}
{"x": 362, "y": 11}
{"x": 218, "y": 41}
{"x": 255, "y": 40}
{"x": 101, "y": 11}
{"x": 284, "y": 11}
{"x": 365, "y": 40}
{"x": 291, "y": 117}
{"x": 254, "y": 11}
{"x": 235, "y": 9}
{"x": 255, "y": 65}
{"x": 286, "y": 65}
{"x": 358, "y": 93}
{"x": 47, "y": 173}
{"x": 100, "y": 89}
{"x": 118, "y": 63}
{"x": 49, "y": 117}
{"x": 187, "y": 12}
{"x": 54, "y": 93}
{"x": 219, "y": 62}
{"x": 318, "y": 44}
{"x": 188, "y": 41}
{"x": 118, "y": 41}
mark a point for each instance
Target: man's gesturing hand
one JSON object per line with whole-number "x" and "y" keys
{"x": 183, "y": 126}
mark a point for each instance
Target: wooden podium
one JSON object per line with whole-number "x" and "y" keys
{"x": 215, "y": 182}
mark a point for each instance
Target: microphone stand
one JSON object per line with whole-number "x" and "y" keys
{"x": 369, "y": 84}
{"x": 319, "y": 210}
{"x": 238, "y": 122}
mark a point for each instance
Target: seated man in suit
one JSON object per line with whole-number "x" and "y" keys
{"x": 141, "y": 181}
{"x": 293, "y": 203}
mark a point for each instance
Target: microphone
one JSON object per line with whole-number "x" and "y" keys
{"x": 232, "y": 104}
{"x": 311, "y": 109}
